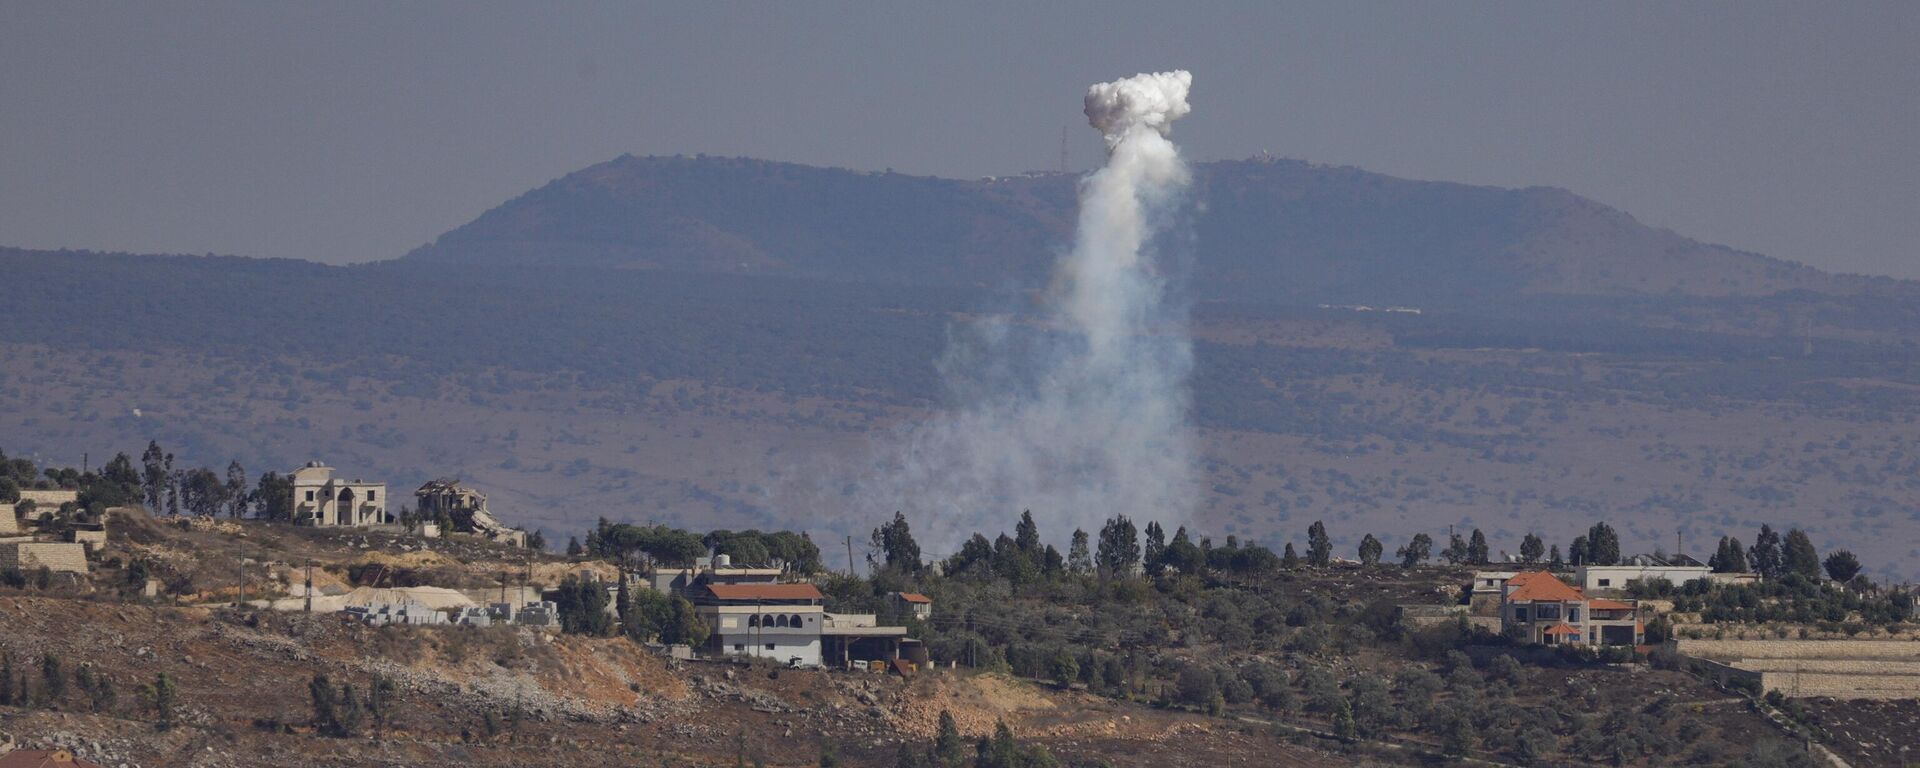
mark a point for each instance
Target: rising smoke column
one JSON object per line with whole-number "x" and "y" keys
{"x": 1086, "y": 416}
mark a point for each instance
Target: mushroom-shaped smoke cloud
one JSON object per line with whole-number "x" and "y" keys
{"x": 1145, "y": 100}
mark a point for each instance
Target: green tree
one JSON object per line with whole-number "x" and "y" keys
{"x": 272, "y": 497}
{"x": 1477, "y": 553}
{"x": 1416, "y": 550}
{"x": 1196, "y": 685}
{"x": 1289, "y": 559}
{"x": 1603, "y": 545}
{"x": 1182, "y": 556}
{"x": 1343, "y": 725}
{"x": 1026, "y": 534}
{"x": 1532, "y": 548}
{"x": 1456, "y": 551}
{"x": 97, "y": 687}
{"x": 1842, "y": 566}
{"x": 1156, "y": 552}
{"x": 1079, "y": 554}
{"x": 1554, "y": 560}
{"x": 1798, "y": 555}
{"x": 949, "y": 748}
{"x": 895, "y": 539}
{"x": 53, "y": 679}
{"x": 160, "y": 700}
{"x": 582, "y": 605}
{"x": 1577, "y": 551}
{"x": 153, "y": 475}
{"x": 1730, "y": 557}
{"x": 1119, "y": 549}
{"x": 381, "y": 696}
{"x": 1370, "y": 550}
{"x": 1064, "y": 669}
{"x": 233, "y": 494}
{"x": 12, "y": 692}
{"x": 683, "y": 625}
{"x": 1765, "y": 557}
{"x": 326, "y": 706}
{"x": 648, "y": 613}
{"x": 1319, "y": 545}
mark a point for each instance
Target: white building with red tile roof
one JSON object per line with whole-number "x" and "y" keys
{"x": 765, "y": 620}
{"x": 1542, "y": 609}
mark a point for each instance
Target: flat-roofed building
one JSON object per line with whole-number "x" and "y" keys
{"x": 776, "y": 621}
{"x": 320, "y": 498}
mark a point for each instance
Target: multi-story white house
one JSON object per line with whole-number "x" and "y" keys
{"x": 1545, "y": 610}
{"x": 321, "y": 499}
{"x": 777, "y": 621}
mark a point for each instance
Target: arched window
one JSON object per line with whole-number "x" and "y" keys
{"x": 753, "y": 621}
{"x": 780, "y": 621}
{"x": 795, "y": 619}
{"x": 766, "y": 620}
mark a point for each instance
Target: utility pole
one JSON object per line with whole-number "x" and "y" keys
{"x": 243, "y": 581}
{"x": 850, "y": 569}
{"x": 309, "y": 586}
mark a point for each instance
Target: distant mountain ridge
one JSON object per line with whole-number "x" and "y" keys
{"x": 1260, "y": 229}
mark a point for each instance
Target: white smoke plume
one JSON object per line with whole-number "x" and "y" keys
{"x": 1091, "y": 419}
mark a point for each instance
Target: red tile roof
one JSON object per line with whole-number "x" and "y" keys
{"x": 1561, "y": 629}
{"x": 765, "y": 592}
{"x": 1542, "y": 587}
{"x": 43, "y": 758}
{"x": 915, "y": 597}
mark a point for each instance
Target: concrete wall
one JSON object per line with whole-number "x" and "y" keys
{"x": 57, "y": 556}
{"x": 1617, "y": 576}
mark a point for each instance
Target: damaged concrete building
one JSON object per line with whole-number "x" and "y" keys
{"x": 467, "y": 508}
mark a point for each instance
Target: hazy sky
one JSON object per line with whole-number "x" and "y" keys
{"x": 356, "y": 131}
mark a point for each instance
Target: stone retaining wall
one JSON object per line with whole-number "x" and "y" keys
{"x": 47, "y": 500}
{"x": 1842, "y": 669}
{"x": 1841, "y": 666}
{"x": 1727, "y": 650}
{"x": 1804, "y": 685}
{"x": 55, "y": 556}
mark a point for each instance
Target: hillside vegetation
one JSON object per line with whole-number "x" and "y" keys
{"x": 713, "y": 342}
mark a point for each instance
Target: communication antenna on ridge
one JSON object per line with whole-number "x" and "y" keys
{"x": 1063, "y": 148}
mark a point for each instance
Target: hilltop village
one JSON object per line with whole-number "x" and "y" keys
{"x": 174, "y": 617}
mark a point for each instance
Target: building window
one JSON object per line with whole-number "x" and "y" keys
{"x": 1520, "y": 613}
{"x": 769, "y": 646}
{"x": 739, "y": 646}
{"x": 1606, "y": 582}
{"x": 371, "y": 495}
{"x": 309, "y": 495}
